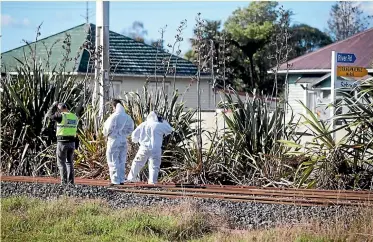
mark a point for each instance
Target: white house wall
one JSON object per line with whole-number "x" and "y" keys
{"x": 296, "y": 94}
{"x": 187, "y": 90}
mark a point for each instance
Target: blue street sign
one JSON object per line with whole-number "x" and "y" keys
{"x": 346, "y": 58}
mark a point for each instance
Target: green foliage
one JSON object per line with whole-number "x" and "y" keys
{"x": 138, "y": 32}
{"x": 90, "y": 159}
{"x": 251, "y": 139}
{"x": 25, "y": 219}
{"x": 27, "y": 136}
{"x": 305, "y": 39}
{"x": 250, "y": 30}
{"x": 326, "y": 157}
{"x": 247, "y": 50}
{"x": 139, "y": 105}
{"x": 252, "y": 23}
{"x": 190, "y": 55}
{"x": 331, "y": 164}
{"x": 258, "y": 145}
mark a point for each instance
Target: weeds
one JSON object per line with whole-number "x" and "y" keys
{"x": 25, "y": 219}
{"x": 32, "y": 219}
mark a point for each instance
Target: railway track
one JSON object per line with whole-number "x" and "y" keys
{"x": 290, "y": 196}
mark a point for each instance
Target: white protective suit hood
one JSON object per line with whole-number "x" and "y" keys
{"x": 120, "y": 109}
{"x": 150, "y": 133}
{"x": 152, "y": 117}
{"x": 119, "y": 124}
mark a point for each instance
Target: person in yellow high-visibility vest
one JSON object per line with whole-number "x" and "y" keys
{"x": 67, "y": 124}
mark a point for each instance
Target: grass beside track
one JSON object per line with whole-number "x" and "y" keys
{"x": 66, "y": 219}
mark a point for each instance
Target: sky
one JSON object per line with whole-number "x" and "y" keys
{"x": 19, "y": 20}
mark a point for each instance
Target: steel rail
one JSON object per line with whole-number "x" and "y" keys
{"x": 331, "y": 193}
{"x": 180, "y": 185}
{"x": 230, "y": 187}
{"x": 236, "y": 193}
{"x": 246, "y": 198}
{"x": 235, "y": 200}
{"x": 275, "y": 193}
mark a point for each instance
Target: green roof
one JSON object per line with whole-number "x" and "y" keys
{"x": 127, "y": 56}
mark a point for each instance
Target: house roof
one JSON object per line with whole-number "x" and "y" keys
{"x": 127, "y": 56}
{"x": 360, "y": 44}
{"x": 313, "y": 80}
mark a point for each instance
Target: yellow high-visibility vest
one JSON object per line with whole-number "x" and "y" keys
{"x": 68, "y": 125}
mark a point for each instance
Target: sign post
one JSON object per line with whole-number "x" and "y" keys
{"x": 347, "y": 71}
{"x": 333, "y": 78}
{"x": 351, "y": 71}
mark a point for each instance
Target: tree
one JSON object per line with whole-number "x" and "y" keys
{"x": 250, "y": 29}
{"x": 305, "y": 39}
{"x": 138, "y": 32}
{"x": 209, "y": 31}
{"x": 190, "y": 55}
{"x": 347, "y": 19}
{"x": 248, "y": 33}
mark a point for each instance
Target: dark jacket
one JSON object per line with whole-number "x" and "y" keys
{"x": 55, "y": 116}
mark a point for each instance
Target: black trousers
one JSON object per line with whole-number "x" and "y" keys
{"x": 65, "y": 161}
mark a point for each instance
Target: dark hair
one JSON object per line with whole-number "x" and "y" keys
{"x": 114, "y": 102}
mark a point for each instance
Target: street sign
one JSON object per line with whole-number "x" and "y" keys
{"x": 351, "y": 71}
{"x": 346, "y": 58}
{"x": 339, "y": 84}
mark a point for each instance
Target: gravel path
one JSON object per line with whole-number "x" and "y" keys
{"x": 241, "y": 215}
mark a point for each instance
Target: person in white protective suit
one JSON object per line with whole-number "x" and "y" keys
{"x": 117, "y": 128}
{"x": 150, "y": 136}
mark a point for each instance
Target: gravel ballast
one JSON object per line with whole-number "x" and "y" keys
{"x": 240, "y": 215}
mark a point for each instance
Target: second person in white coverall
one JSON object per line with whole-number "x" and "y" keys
{"x": 117, "y": 128}
{"x": 150, "y": 136}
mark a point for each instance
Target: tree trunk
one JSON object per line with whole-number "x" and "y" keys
{"x": 251, "y": 57}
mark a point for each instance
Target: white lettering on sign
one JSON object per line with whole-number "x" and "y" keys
{"x": 344, "y": 58}
{"x": 346, "y": 84}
